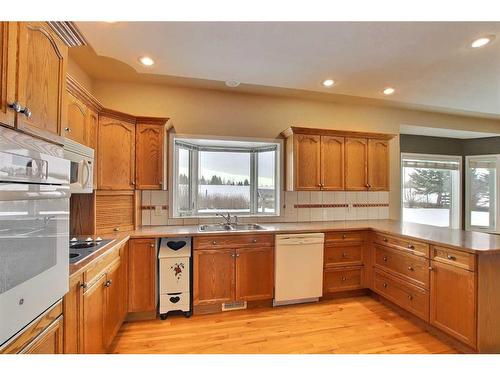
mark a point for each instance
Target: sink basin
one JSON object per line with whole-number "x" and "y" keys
{"x": 228, "y": 228}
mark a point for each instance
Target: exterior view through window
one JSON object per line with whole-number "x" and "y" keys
{"x": 219, "y": 176}
{"x": 431, "y": 189}
{"x": 481, "y": 186}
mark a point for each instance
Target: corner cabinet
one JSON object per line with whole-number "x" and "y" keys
{"x": 150, "y": 154}
{"x": 321, "y": 159}
{"x": 116, "y": 154}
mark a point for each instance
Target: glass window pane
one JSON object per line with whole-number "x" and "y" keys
{"x": 182, "y": 188}
{"x": 430, "y": 192}
{"x": 223, "y": 182}
{"x": 266, "y": 182}
{"x": 481, "y": 195}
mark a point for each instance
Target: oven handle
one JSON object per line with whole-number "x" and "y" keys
{"x": 58, "y": 192}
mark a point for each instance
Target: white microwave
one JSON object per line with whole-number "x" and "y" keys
{"x": 82, "y": 166}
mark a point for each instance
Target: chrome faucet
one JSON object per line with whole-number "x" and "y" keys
{"x": 228, "y": 218}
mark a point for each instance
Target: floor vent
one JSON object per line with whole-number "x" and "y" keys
{"x": 238, "y": 305}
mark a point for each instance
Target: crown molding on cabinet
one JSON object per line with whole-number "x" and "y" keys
{"x": 68, "y": 32}
{"x": 339, "y": 133}
{"x": 77, "y": 90}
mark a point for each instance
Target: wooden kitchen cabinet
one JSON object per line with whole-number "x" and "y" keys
{"x": 116, "y": 154}
{"x": 114, "y": 211}
{"x": 307, "y": 162}
{"x": 378, "y": 164}
{"x": 214, "y": 276}
{"x": 254, "y": 274}
{"x": 77, "y": 118}
{"x": 41, "y": 85}
{"x": 114, "y": 313}
{"x": 73, "y": 315}
{"x": 94, "y": 300}
{"x": 150, "y": 156}
{"x": 332, "y": 163}
{"x": 142, "y": 259}
{"x": 8, "y": 33}
{"x": 356, "y": 156}
{"x": 453, "y": 301}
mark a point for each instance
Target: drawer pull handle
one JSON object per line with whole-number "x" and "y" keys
{"x": 410, "y": 246}
{"x": 117, "y": 229}
{"x": 214, "y": 242}
{"x": 451, "y": 257}
{"x": 384, "y": 285}
{"x": 175, "y": 299}
{"x": 410, "y": 268}
{"x": 385, "y": 259}
{"x": 385, "y": 239}
{"x": 152, "y": 245}
{"x": 344, "y": 236}
{"x": 254, "y": 240}
{"x": 410, "y": 297}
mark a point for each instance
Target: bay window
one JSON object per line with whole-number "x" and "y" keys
{"x": 219, "y": 176}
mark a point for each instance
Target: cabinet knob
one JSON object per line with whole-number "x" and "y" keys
{"x": 68, "y": 130}
{"x": 117, "y": 229}
{"x": 214, "y": 242}
{"x": 385, "y": 259}
{"x": 431, "y": 269}
{"x": 26, "y": 111}
{"x": 237, "y": 255}
{"x": 410, "y": 297}
{"x": 344, "y": 255}
{"x": 451, "y": 257}
{"x": 16, "y": 106}
{"x": 254, "y": 240}
{"x": 83, "y": 285}
{"x": 344, "y": 278}
{"x": 344, "y": 236}
{"x": 152, "y": 245}
{"x": 108, "y": 283}
{"x": 385, "y": 239}
{"x": 410, "y": 268}
{"x": 384, "y": 285}
{"x": 410, "y": 246}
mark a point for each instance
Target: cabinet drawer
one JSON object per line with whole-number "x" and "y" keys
{"x": 335, "y": 237}
{"x": 343, "y": 255}
{"x": 340, "y": 279}
{"x": 233, "y": 241}
{"x": 409, "y": 267}
{"x": 413, "y": 247}
{"x": 101, "y": 265}
{"x": 454, "y": 257}
{"x": 173, "y": 302}
{"x": 406, "y": 295}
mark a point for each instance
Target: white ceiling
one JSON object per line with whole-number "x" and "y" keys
{"x": 445, "y": 133}
{"x": 429, "y": 63}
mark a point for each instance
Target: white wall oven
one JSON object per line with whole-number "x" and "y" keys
{"x": 34, "y": 231}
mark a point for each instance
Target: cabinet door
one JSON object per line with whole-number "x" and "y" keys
{"x": 142, "y": 275}
{"x": 91, "y": 138}
{"x": 94, "y": 300}
{"x": 114, "y": 211}
{"x": 41, "y": 82}
{"x": 254, "y": 274}
{"x": 453, "y": 301}
{"x": 307, "y": 163}
{"x": 116, "y": 154}
{"x": 7, "y": 72}
{"x": 50, "y": 341}
{"x": 113, "y": 315}
{"x": 149, "y": 156}
{"x": 356, "y": 164}
{"x": 73, "y": 315}
{"x": 332, "y": 163}
{"x": 378, "y": 164}
{"x": 214, "y": 276}
{"x": 75, "y": 128}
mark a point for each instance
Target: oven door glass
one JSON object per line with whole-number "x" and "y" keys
{"x": 34, "y": 253}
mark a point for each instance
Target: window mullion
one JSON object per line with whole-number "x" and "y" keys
{"x": 253, "y": 183}
{"x": 193, "y": 183}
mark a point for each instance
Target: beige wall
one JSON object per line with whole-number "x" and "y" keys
{"x": 211, "y": 112}
{"x": 80, "y": 75}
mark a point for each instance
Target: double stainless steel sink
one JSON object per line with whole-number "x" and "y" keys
{"x": 229, "y": 227}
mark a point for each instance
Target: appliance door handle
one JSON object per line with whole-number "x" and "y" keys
{"x": 87, "y": 171}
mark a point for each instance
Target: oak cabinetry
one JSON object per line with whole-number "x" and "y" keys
{"x": 233, "y": 268}
{"x": 116, "y": 154}
{"x": 142, "y": 275}
{"x": 114, "y": 211}
{"x": 73, "y": 315}
{"x": 150, "y": 155}
{"x": 321, "y": 159}
{"x": 94, "y": 299}
{"x": 342, "y": 279}
{"x": 453, "y": 301}
{"x": 8, "y": 33}
{"x": 76, "y": 127}
{"x": 41, "y": 74}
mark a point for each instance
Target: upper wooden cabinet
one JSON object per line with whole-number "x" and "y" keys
{"x": 41, "y": 74}
{"x": 76, "y": 126}
{"x": 320, "y": 159}
{"x": 8, "y": 33}
{"x": 116, "y": 154}
{"x": 150, "y": 154}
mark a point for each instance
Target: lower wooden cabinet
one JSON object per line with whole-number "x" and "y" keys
{"x": 142, "y": 275}
{"x": 342, "y": 279}
{"x": 94, "y": 300}
{"x": 453, "y": 301}
{"x": 233, "y": 273}
{"x": 50, "y": 341}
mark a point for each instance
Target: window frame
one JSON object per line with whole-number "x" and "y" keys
{"x": 193, "y": 169}
{"x": 495, "y": 215}
{"x": 455, "y": 223}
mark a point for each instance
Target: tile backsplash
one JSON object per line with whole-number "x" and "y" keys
{"x": 299, "y": 206}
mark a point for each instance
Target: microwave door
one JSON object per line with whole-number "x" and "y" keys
{"x": 34, "y": 256}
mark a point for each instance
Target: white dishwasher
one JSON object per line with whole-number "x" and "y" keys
{"x": 298, "y": 268}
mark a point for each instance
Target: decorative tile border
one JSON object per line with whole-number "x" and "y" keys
{"x": 370, "y": 205}
{"x": 322, "y": 205}
{"x": 164, "y": 207}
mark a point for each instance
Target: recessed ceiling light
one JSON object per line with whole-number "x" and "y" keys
{"x": 328, "y": 82}
{"x": 388, "y": 91}
{"x": 232, "y": 83}
{"x": 146, "y": 61}
{"x": 481, "y": 42}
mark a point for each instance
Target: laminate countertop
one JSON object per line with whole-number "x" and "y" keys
{"x": 472, "y": 242}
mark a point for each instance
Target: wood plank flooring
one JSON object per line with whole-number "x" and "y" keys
{"x": 350, "y": 325}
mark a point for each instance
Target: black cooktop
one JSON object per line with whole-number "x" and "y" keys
{"x": 79, "y": 249}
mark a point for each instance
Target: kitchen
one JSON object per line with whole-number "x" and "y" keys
{"x": 227, "y": 208}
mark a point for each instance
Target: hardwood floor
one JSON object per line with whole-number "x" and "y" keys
{"x": 351, "y": 325}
